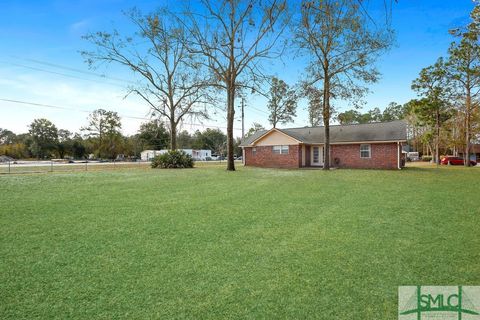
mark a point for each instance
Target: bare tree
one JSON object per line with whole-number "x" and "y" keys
{"x": 171, "y": 80}
{"x": 235, "y": 36}
{"x": 342, "y": 41}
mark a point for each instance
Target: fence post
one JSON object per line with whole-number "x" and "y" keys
{"x": 51, "y": 166}
{"x": 9, "y": 167}
{"x": 86, "y": 167}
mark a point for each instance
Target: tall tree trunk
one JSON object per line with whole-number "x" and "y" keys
{"x": 230, "y": 121}
{"x": 326, "y": 122}
{"x": 468, "y": 103}
{"x": 173, "y": 134}
{"x": 437, "y": 137}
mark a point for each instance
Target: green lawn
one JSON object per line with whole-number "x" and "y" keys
{"x": 256, "y": 243}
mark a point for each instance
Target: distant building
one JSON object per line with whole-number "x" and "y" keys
{"x": 147, "y": 155}
{"x": 5, "y": 158}
{"x": 474, "y": 152}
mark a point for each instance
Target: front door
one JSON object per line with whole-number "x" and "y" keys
{"x": 317, "y": 156}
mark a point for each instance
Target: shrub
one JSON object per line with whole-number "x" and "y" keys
{"x": 173, "y": 159}
{"x": 426, "y": 158}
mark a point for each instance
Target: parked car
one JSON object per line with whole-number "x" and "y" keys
{"x": 413, "y": 156}
{"x": 455, "y": 161}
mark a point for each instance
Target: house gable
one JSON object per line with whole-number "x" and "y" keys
{"x": 275, "y": 137}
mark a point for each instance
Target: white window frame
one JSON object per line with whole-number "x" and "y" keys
{"x": 254, "y": 151}
{"x": 280, "y": 149}
{"x": 369, "y": 150}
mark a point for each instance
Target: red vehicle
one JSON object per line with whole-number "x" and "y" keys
{"x": 455, "y": 161}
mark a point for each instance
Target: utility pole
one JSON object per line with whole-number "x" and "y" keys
{"x": 243, "y": 119}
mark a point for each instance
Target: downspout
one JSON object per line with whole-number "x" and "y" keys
{"x": 243, "y": 156}
{"x": 398, "y": 155}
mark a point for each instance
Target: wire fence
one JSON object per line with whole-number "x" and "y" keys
{"x": 23, "y": 167}
{"x": 19, "y": 167}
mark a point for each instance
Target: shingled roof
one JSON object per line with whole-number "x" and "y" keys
{"x": 377, "y": 131}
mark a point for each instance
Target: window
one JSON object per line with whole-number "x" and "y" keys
{"x": 365, "y": 151}
{"x": 254, "y": 151}
{"x": 280, "y": 149}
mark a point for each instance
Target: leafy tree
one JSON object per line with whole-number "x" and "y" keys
{"x": 16, "y": 150}
{"x": 79, "y": 150}
{"x": 64, "y": 144}
{"x": 153, "y": 135}
{"x": 349, "y": 117}
{"x": 44, "y": 138}
{"x": 210, "y": 139}
{"x": 185, "y": 140}
{"x": 171, "y": 82}
{"x": 342, "y": 45}
{"x": 255, "y": 127}
{"x": 234, "y": 36}
{"x": 373, "y": 115}
{"x": 315, "y": 103}
{"x": 7, "y": 136}
{"x": 104, "y": 131}
{"x": 282, "y": 102}
{"x": 463, "y": 69}
{"x": 434, "y": 109}
{"x": 394, "y": 111}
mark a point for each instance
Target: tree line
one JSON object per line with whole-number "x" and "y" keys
{"x": 202, "y": 58}
{"x": 101, "y": 138}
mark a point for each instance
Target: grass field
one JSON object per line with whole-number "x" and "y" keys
{"x": 257, "y": 243}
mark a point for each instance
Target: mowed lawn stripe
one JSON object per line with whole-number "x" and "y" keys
{"x": 256, "y": 243}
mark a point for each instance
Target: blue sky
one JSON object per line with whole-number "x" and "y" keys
{"x": 34, "y": 33}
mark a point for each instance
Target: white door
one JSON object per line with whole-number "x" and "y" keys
{"x": 317, "y": 156}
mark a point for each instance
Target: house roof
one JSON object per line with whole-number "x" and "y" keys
{"x": 4, "y": 158}
{"x": 377, "y": 131}
{"x": 474, "y": 148}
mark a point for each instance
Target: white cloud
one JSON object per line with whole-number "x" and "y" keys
{"x": 79, "y": 26}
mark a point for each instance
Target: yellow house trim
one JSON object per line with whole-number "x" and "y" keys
{"x": 271, "y": 131}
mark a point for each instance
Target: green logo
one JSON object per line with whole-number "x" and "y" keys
{"x": 438, "y": 302}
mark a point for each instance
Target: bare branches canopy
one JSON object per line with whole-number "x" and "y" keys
{"x": 170, "y": 79}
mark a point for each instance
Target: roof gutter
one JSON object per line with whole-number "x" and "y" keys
{"x": 398, "y": 156}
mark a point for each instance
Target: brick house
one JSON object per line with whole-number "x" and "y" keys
{"x": 373, "y": 145}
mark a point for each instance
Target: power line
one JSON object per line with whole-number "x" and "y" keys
{"x": 89, "y": 111}
{"x": 259, "y": 110}
{"x": 61, "y": 74}
{"x": 79, "y": 71}
{"x": 50, "y": 64}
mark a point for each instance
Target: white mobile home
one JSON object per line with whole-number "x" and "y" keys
{"x": 147, "y": 155}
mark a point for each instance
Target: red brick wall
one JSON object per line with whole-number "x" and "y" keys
{"x": 383, "y": 156}
{"x": 264, "y": 157}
